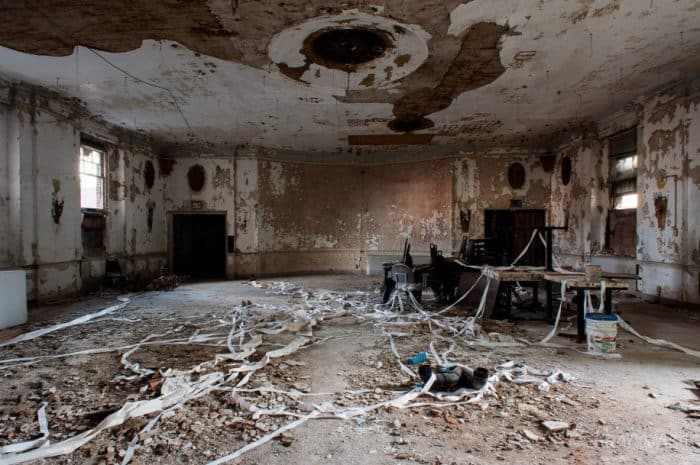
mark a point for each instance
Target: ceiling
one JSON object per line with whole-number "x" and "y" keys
{"x": 331, "y": 76}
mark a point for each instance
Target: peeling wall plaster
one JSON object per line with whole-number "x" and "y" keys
{"x": 480, "y": 182}
{"x": 670, "y": 145}
{"x": 217, "y": 195}
{"x": 40, "y": 161}
{"x": 295, "y": 216}
{"x": 6, "y": 251}
{"x": 345, "y": 212}
{"x": 668, "y": 239}
{"x": 571, "y": 204}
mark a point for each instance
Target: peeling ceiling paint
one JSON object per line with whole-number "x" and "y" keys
{"x": 217, "y": 72}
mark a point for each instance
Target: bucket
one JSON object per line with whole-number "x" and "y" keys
{"x": 601, "y": 332}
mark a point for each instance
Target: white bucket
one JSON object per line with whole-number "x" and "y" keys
{"x": 601, "y": 332}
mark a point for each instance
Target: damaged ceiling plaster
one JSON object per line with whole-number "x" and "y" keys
{"x": 322, "y": 76}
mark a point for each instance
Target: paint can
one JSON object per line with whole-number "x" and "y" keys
{"x": 593, "y": 273}
{"x": 601, "y": 332}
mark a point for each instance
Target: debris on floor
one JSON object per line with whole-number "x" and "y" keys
{"x": 157, "y": 391}
{"x": 166, "y": 282}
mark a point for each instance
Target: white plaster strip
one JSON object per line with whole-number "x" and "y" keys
{"x": 125, "y": 300}
{"x": 175, "y": 391}
{"x": 658, "y": 342}
{"x": 42, "y": 441}
{"x": 553, "y": 331}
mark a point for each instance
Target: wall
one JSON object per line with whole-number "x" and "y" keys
{"x": 668, "y": 183}
{"x": 668, "y": 251}
{"x": 5, "y": 191}
{"x": 574, "y": 204}
{"x": 481, "y": 183}
{"x": 407, "y": 200}
{"x": 306, "y": 216}
{"x": 39, "y": 174}
{"x": 217, "y": 195}
{"x": 316, "y": 217}
{"x": 296, "y": 216}
{"x": 129, "y": 235}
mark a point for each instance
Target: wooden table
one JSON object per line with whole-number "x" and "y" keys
{"x": 521, "y": 274}
{"x": 577, "y": 282}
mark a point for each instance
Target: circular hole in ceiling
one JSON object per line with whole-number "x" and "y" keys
{"x": 344, "y": 48}
{"x": 196, "y": 177}
{"x": 410, "y": 124}
{"x": 516, "y": 175}
{"x": 566, "y": 170}
{"x": 149, "y": 174}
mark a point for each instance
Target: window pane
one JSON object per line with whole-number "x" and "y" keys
{"x": 626, "y": 165}
{"x": 88, "y": 191}
{"x": 628, "y": 186}
{"x": 626, "y": 201}
{"x": 92, "y": 179}
{"x": 624, "y": 142}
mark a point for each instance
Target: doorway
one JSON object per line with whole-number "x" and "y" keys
{"x": 511, "y": 230}
{"x": 199, "y": 245}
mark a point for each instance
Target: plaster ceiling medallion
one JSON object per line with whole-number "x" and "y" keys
{"x": 349, "y": 51}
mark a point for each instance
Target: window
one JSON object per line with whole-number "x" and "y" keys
{"x": 92, "y": 178}
{"x": 621, "y": 231}
{"x": 92, "y": 197}
{"x": 623, "y": 170}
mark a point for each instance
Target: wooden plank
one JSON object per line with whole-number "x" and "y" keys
{"x": 630, "y": 276}
{"x": 514, "y": 275}
{"x": 576, "y": 281}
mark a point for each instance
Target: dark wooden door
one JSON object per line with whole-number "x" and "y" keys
{"x": 524, "y": 222}
{"x": 511, "y": 230}
{"x": 199, "y": 245}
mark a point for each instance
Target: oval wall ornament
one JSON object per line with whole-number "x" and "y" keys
{"x": 516, "y": 175}
{"x": 196, "y": 177}
{"x": 566, "y": 170}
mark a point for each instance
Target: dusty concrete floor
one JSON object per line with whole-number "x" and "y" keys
{"x": 617, "y": 409}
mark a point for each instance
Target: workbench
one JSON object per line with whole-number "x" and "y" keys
{"x": 524, "y": 275}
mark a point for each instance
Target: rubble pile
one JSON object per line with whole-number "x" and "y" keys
{"x": 166, "y": 282}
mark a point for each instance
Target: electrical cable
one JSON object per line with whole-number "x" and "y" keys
{"x": 139, "y": 80}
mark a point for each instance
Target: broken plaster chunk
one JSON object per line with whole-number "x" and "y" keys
{"x": 531, "y": 435}
{"x": 301, "y": 387}
{"x": 566, "y": 400}
{"x": 555, "y": 426}
{"x": 295, "y": 363}
{"x": 685, "y": 408}
{"x": 532, "y": 410}
{"x": 286, "y": 439}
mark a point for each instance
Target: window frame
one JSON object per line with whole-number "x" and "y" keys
{"x": 621, "y": 223}
{"x": 628, "y": 176}
{"x": 93, "y": 224}
{"x": 99, "y": 148}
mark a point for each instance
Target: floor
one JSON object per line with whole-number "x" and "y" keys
{"x": 614, "y": 410}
